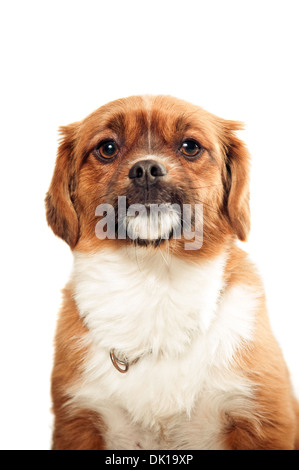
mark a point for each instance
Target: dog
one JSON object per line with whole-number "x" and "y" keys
{"x": 163, "y": 339}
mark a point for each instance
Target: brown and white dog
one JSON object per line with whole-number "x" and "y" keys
{"x": 159, "y": 346}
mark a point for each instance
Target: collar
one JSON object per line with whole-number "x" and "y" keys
{"x": 121, "y": 365}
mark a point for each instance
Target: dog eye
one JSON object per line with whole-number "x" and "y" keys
{"x": 107, "y": 150}
{"x": 190, "y": 148}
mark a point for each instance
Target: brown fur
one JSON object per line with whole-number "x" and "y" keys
{"x": 73, "y": 429}
{"x": 219, "y": 180}
{"x": 273, "y": 424}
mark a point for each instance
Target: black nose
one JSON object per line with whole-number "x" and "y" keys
{"x": 147, "y": 172}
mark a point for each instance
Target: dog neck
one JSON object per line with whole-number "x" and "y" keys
{"x": 138, "y": 301}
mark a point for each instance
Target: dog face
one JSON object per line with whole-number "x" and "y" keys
{"x": 151, "y": 151}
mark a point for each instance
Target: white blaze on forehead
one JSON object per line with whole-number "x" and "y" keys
{"x": 147, "y": 99}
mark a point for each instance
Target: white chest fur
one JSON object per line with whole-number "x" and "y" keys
{"x": 170, "y": 313}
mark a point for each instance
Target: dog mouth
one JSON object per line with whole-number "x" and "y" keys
{"x": 152, "y": 223}
{"x": 150, "y": 217}
{"x": 147, "y": 217}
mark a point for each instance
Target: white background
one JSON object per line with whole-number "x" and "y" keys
{"x": 62, "y": 60}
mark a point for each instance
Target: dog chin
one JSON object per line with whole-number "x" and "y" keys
{"x": 152, "y": 229}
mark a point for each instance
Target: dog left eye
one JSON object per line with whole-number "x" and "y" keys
{"x": 190, "y": 148}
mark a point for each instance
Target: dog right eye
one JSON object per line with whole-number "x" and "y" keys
{"x": 190, "y": 148}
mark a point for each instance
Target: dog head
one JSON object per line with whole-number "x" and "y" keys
{"x": 144, "y": 153}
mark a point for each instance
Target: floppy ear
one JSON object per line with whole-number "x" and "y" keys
{"x": 236, "y": 181}
{"x": 60, "y": 212}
